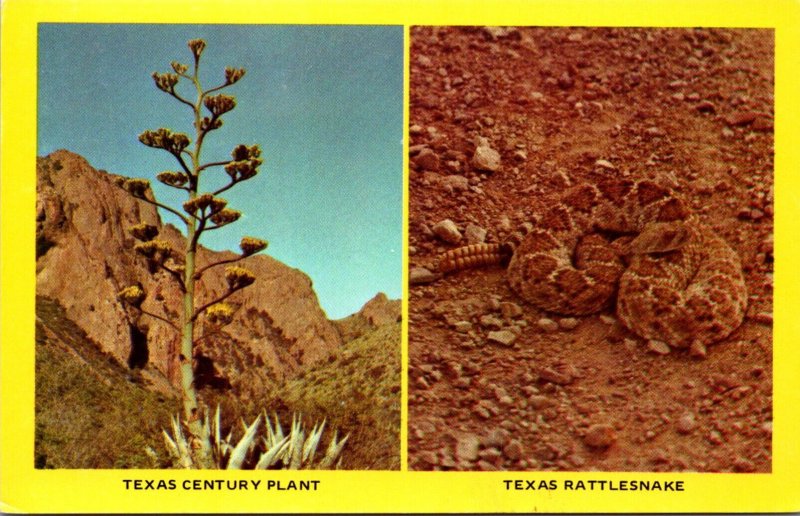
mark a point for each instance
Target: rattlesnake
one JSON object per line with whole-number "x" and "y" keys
{"x": 675, "y": 280}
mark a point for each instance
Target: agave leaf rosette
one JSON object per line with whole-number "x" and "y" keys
{"x": 274, "y": 450}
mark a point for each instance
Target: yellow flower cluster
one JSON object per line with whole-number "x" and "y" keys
{"x": 144, "y": 231}
{"x": 197, "y": 46}
{"x": 179, "y": 68}
{"x": 232, "y": 75}
{"x": 202, "y": 202}
{"x": 241, "y": 170}
{"x": 244, "y": 163}
{"x": 165, "y": 139}
{"x": 157, "y": 250}
{"x": 133, "y": 295}
{"x": 238, "y": 277}
{"x": 225, "y": 216}
{"x": 219, "y": 104}
{"x": 136, "y": 187}
{"x": 165, "y": 81}
{"x": 171, "y": 178}
{"x": 207, "y": 125}
{"x": 250, "y": 245}
{"x": 243, "y": 152}
{"x": 220, "y": 314}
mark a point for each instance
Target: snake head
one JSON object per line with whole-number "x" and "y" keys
{"x": 659, "y": 237}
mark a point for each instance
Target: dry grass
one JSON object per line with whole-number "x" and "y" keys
{"x": 358, "y": 391}
{"x": 91, "y": 412}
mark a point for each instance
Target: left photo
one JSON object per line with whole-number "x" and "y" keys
{"x": 219, "y": 246}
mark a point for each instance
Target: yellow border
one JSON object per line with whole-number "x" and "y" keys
{"x": 24, "y": 489}
{"x": 404, "y": 379}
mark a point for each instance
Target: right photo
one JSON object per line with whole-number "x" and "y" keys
{"x": 590, "y": 249}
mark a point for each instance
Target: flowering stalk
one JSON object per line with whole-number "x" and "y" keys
{"x": 200, "y": 212}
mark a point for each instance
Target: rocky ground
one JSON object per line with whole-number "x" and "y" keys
{"x": 502, "y": 118}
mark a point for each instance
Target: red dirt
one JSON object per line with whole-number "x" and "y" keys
{"x": 690, "y": 108}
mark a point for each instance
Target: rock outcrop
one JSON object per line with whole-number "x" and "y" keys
{"x": 85, "y": 257}
{"x": 381, "y": 310}
{"x": 377, "y": 312}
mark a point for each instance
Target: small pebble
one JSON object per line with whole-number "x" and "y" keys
{"x": 496, "y": 438}
{"x": 454, "y": 182}
{"x": 706, "y": 106}
{"x": 463, "y": 383}
{"x": 658, "y": 347}
{"x": 421, "y": 275}
{"x": 474, "y": 234}
{"x": 548, "y": 374}
{"x": 537, "y": 401}
{"x": 482, "y": 412}
{"x": 490, "y": 321}
{"x": 447, "y": 231}
{"x": 600, "y": 436}
{"x": 429, "y": 457}
{"x": 492, "y": 455}
{"x": 513, "y": 450}
{"x": 447, "y": 460}
{"x": 503, "y": 337}
{"x": 453, "y": 369}
{"x": 486, "y": 466}
{"x": 698, "y": 349}
{"x": 510, "y": 310}
{"x": 605, "y": 164}
{"x": 741, "y": 119}
{"x": 607, "y": 319}
{"x": 490, "y": 406}
{"x": 686, "y": 423}
{"x": 426, "y": 160}
{"x": 506, "y": 400}
{"x": 568, "y": 323}
{"x": 547, "y": 325}
{"x": 565, "y": 82}
{"x": 462, "y": 326}
{"x": 486, "y": 159}
{"x": 467, "y": 448}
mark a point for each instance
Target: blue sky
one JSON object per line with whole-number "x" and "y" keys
{"x": 325, "y": 103}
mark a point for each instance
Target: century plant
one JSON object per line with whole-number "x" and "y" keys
{"x": 275, "y": 450}
{"x": 201, "y": 212}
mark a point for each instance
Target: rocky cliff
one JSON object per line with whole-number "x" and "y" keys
{"x": 85, "y": 256}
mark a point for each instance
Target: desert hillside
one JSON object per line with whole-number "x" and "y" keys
{"x": 85, "y": 257}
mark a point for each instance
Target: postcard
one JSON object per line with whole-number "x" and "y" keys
{"x": 397, "y": 257}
